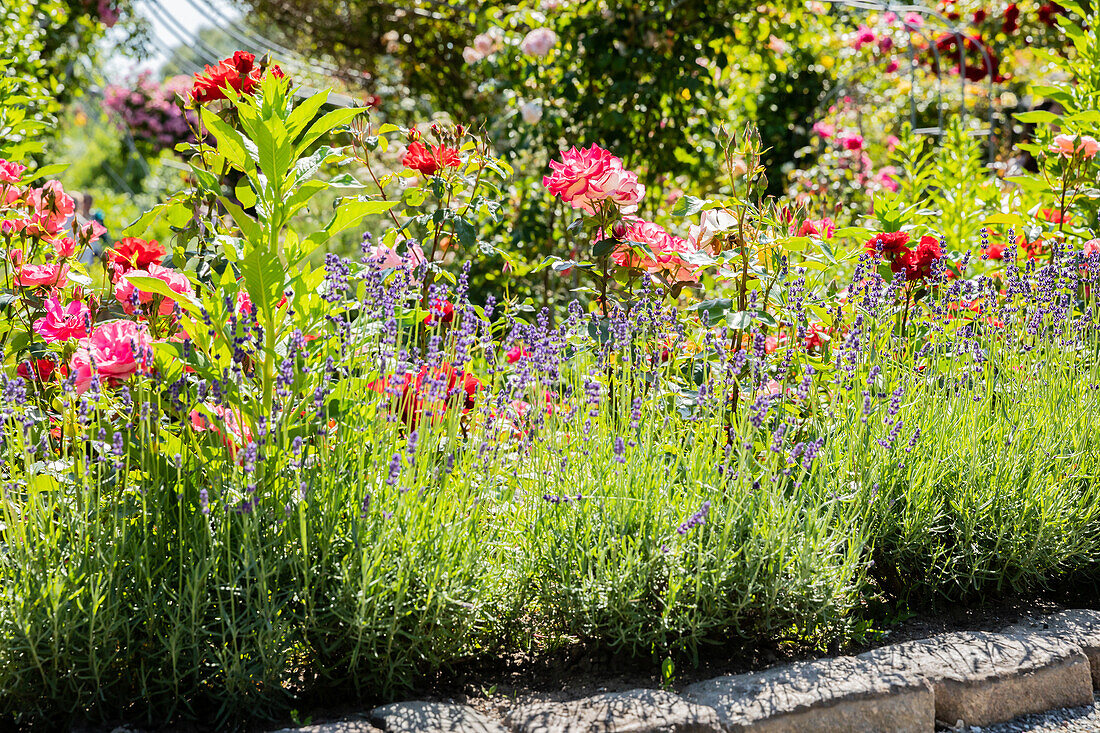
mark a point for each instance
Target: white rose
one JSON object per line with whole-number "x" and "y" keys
{"x": 531, "y": 111}
{"x": 539, "y": 42}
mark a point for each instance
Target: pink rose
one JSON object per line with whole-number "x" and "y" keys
{"x": 10, "y": 171}
{"x": 113, "y": 352}
{"x": 539, "y": 42}
{"x": 864, "y": 35}
{"x": 387, "y": 258}
{"x": 1091, "y": 247}
{"x": 33, "y": 276}
{"x": 91, "y": 231}
{"x": 824, "y": 129}
{"x": 823, "y": 228}
{"x": 668, "y": 251}
{"x": 65, "y": 247}
{"x": 584, "y": 177}
{"x": 237, "y": 430}
{"x": 177, "y": 282}
{"x": 885, "y": 178}
{"x": 852, "y": 142}
{"x": 62, "y": 324}
{"x": 51, "y": 201}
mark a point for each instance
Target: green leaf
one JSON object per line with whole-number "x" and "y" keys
{"x": 741, "y": 320}
{"x": 351, "y": 211}
{"x": 716, "y": 308}
{"x": 248, "y": 226}
{"x": 46, "y": 171}
{"x": 688, "y": 206}
{"x": 156, "y": 286}
{"x": 604, "y": 247}
{"x": 263, "y": 277}
{"x": 229, "y": 142}
{"x": 1036, "y": 117}
{"x": 304, "y": 113}
{"x": 326, "y": 124}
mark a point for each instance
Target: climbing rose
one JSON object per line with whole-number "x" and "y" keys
{"x": 114, "y": 351}
{"x": 852, "y": 142}
{"x": 539, "y": 42}
{"x": 531, "y": 111}
{"x": 62, "y": 324}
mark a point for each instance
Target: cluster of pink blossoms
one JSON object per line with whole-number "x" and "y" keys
{"x": 40, "y": 233}
{"x": 150, "y": 111}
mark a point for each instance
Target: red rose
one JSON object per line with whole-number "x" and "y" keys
{"x": 43, "y": 369}
{"x": 133, "y": 253}
{"x": 892, "y": 243}
{"x": 441, "y": 311}
{"x": 238, "y": 72}
{"x": 1012, "y": 19}
{"x": 917, "y": 263}
{"x": 428, "y": 160}
{"x": 430, "y": 392}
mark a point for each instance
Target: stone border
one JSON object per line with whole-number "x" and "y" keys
{"x": 971, "y": 678}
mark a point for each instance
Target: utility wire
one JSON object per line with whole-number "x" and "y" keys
{"x": 248, "y": 34}
{"x": 181, "y": 42}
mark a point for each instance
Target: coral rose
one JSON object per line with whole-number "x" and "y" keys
{"x": 586, "y": 176}
{"x": 133, "y": 253}
{"x": 33, "y": 276}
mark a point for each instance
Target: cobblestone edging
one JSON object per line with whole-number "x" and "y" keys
{"x": 976, "y": 678}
